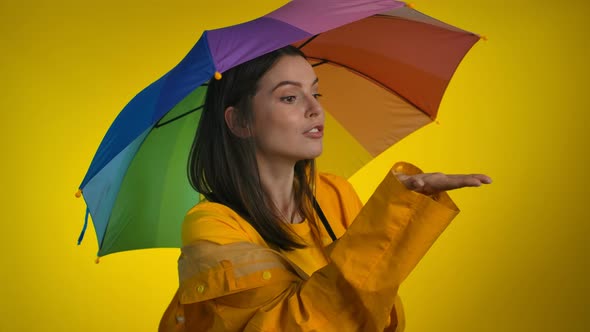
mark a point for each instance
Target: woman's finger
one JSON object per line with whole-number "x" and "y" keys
{"x": 457, "y": 181}
{"x": 483, "y": 178}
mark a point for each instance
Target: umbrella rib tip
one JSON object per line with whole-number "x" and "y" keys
{"x": 410, "y": 5}
{"x": 78, "y": 193}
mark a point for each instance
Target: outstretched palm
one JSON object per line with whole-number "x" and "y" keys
{"x": 434, "y": 183}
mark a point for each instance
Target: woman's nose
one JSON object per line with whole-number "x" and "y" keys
{"x": 314, "y": 107}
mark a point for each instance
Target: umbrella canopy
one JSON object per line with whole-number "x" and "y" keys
{"x": 383, "y": 69}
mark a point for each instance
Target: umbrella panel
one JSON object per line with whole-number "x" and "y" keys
{"x": 363, "y": 119}
{"x": 155, "y": 193}
{"x": 416, "y": 60}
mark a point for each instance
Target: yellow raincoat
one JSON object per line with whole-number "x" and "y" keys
{"x": 231, "y": 280}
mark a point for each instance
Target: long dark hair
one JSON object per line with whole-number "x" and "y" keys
{"x": 223, "y": 167}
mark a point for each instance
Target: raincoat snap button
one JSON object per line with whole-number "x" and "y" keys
{"x": 266, "y": 275}
{"x": 201, "y": 289}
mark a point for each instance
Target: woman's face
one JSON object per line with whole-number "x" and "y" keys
{"x": 288, "y": 119}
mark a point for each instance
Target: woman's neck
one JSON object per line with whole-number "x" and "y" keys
{"x": 277, "y": 183}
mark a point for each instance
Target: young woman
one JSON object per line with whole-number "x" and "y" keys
{"x": 278, "y": 246}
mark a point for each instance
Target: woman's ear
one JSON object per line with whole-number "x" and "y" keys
{"x": 237, "y": 127}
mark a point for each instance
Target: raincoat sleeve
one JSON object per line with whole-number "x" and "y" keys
{"x": 243, "y": 286}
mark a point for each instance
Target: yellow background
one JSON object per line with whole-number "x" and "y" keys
{"x": 516, "y": 258}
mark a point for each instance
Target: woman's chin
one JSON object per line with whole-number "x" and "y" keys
{"x": 311, "y": 156}
{"x": 314, "y": 154}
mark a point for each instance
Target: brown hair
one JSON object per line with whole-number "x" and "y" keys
{"x": 223, "y": 167}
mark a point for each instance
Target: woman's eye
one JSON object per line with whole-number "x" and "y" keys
{"x": 288, "y": 99}
{"x": 317, "y": 95}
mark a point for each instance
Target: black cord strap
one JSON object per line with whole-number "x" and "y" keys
{"x": 320, "y": 213}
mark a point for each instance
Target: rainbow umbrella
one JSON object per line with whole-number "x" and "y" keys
{"x": 383, "y": 68}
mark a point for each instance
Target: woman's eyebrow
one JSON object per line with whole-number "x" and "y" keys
{"x": 293, "y": 83}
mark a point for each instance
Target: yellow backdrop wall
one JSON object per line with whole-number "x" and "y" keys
{"x": 516, "y": 258}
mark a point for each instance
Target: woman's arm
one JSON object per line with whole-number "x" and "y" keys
{"x": 355, "y": 292}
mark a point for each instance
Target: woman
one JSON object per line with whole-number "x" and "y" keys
{"x": 274, "y": 247}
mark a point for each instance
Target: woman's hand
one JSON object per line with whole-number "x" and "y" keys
{"x": 434, "y": 183}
